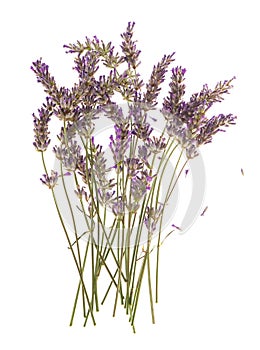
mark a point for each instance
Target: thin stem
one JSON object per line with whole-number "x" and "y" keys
{"x": 74, "y": 227}
{"x": 119, "y": 283}
{"x": 168, "y": 195}
{"x": 79, "y": 285}
{"x": 70, "y": 246}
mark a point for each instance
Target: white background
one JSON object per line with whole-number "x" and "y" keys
{"x": 209, "y": 286}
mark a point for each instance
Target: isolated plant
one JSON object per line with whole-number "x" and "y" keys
{"x": 120, "y": 198}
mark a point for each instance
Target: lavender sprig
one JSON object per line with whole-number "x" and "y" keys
{"x": 44, "y": 77}
{"x": 128, "y": 46}
{"x": 41, "y": 129}
{"x": 69, "y": 154}
{"x": 120, "y": 143}
{"x": 157, "y": 78}
{"x": 176, "y": 93}
{"x": 140, "y": 185}
{"x": 152, "y": 216}
{"x": 214, "y": 125}
{"x": 50, "y": 181}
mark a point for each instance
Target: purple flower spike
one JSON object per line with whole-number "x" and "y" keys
{"x": 155, "y": 145}
{"x": 120, "y": 143}
{"x": 152, "y": 217}
{"x": 41, "y": 129}
{"x": 118, "y": 208}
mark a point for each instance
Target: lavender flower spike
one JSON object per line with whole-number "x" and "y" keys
{"x": 120, "y": 144}
{"x": 41, "y": 130}
{"x": 50, "y": 181}
{"x": 155, "y": 145}
{"x": 69, "y": 154}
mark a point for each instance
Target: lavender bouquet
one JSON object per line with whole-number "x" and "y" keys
{"x": 108, "y": 190}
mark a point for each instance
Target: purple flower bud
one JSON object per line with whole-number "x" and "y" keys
{"x": 143, "y": 153}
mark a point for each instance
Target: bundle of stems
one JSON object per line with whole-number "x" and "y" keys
{"x": 120, "y": 192}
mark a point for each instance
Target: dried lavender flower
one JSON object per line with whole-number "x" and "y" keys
{"x": 69, "y": 155}
{"x": 67, "y": 105}
{"x": 81, "y": 193}
{"x": 133, "y": 190}
{"x": 43, "y": 76}
{"x": 120, "y": 143}
{"x": 133, "y": 207}
{"x": 155, "y": 144}
{"x": 191, "y": 149}
{"x": 50, "y": 181}
{"x": 142, "y": 131}
{"x": 87, "y": 65}
{"x": 67, "y": 134}
{"x": 101, "y": 170}
{"x": 181, "y": 133}
{"x": 116, "y": 114}
{"x": 41, "y": 129}
{"x": 144, "y": 153}
{"x": 152, "y": 216}
{"x": 213, "y": 125}
{"x": 133, "y": 166}
{"x": 118, "y": 208}
{"x": 176, "y": 93}
{"x": 140, "y": 184}
{"x": 83, "y": 171}
{"x": 106, "y": 196}
{"x": 157, "y": 78}
{"x": 128, "y": 46}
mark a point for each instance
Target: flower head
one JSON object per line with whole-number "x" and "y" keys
{"x": 144, "y": 153}
{"x": 131, "y": 54}
{"x": 43, "y": 76}
{"x": 177, "y": 91}
{"x": 152, "y": 216}
{"x": 41, "y": 129}
{"x": 50, "y": 181}
{"x": 140, "y": 185}
{"x": 155, "y": 145}
{"x": 157, "y": 78}
{"x": 81, "y": 193}
{"x": 67, "y": 105}
{"x": 106, "y": 196}
{"x": 118, "y": 208}
{"x": 213, "y": 125}
{"x": 100, "y": 171}
{"x": 133, "y": 166}
{"x": 120, "y": 143}
{"x": 142, "y": 130}
{"x": 116, "y": 114}
{"x": 69, "y": 155}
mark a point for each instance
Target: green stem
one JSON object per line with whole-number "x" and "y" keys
{"x": 149, "y": 281}
{"x": 78, "y": 289}
{"x": 74, "y": 228}
{"x": 119, "y": 283}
